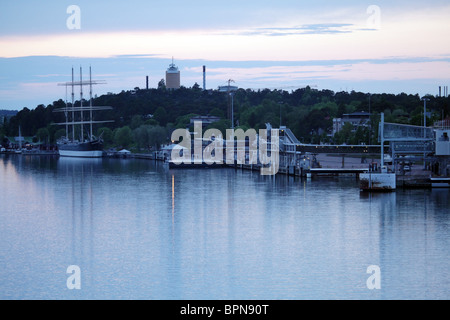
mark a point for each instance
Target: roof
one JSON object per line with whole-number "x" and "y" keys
{"x": 172, "y": 68}
{"x": 358, "y": 114}
{"x": 170, "y": 147}
{"x": 13, "y": 140}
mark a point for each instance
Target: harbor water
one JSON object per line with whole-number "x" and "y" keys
{"x": 137, "y": 230}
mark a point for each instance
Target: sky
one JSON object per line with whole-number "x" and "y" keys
{"x": 372, "y": 47}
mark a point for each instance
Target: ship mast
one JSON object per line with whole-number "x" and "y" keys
{"x": 81, "y": 107}
{"x": 66, "y": 115}
{"x": 90, "y": 103}
{"x": 80, "y": 118}
{"x": 73, "y": 105}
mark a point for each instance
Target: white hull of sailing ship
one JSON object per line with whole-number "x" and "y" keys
{"x": 89, "y": 149}
{"x": 81, "y": 154}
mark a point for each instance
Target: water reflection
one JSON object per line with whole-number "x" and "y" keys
{"x": 140, "y": 230}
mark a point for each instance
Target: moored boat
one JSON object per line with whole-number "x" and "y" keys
{"x": 87, "y": 149}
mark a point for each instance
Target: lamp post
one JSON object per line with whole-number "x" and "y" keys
{"x": 230, "y": 90}
{"x": 370, "y": 121}
{"x": 424, "y": 131}
{"x": 232, "y": 109}
{"x": 425, "y": 115}
{"x": 280, "y": 104}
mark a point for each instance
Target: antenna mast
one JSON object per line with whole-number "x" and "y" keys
{"x": 81, "y": 106}
{"x": 232, "y": 102}
{"x": 73, "y": 110}
{"x": 89, "y": 109}
{"x": 90, "y": 103}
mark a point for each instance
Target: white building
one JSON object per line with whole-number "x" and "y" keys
{"x": 356, "y": 119}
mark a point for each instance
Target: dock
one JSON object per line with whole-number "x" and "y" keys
{"x": 414, "y": 181}
{"x": 337, "y": 171}
{"x": 411, "y": 159}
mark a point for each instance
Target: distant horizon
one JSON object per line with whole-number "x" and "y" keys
{"x": 19, "y": 104}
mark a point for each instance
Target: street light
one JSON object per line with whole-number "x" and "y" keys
{"x": 370, "y": 121}
{"x": 280, "y": 103}
{"x": 232, "y": 109}
{"x": 424, "y": 131}
{"x": 230, "y": 90}
{"x": 425, "y": 116}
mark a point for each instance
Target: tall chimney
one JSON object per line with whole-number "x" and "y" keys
{"x": 440, "y": 91}
{"x": 146, "y": 82}
{"x": 204, "y": 78}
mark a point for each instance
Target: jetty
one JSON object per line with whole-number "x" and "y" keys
{"x": 407, "y": 157}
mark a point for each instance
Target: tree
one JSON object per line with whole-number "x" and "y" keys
{"x": 151, "y": 122}
{"x": 216, "y": 112}
{"x": 359, "y": 136}
{"x": 106, "y": 134}
{"x": 123, "y": 137}
{"x": 141, "y": 136}
{"x": 2, "y": 132}
{"x": 161, "y": 84}
{"x": 341, "y": 110}
{"x": 306, "y": 111}
{"x": 59, "y": 134}
{"x": 160, "y": 115}
{"x": 157, "y": 136}
{"x": 147, "y": 136}
{"x": 221, "y": 125}
{"x": 3, "y": 141}
{"x": 183, "y": 122}
{"x": 344, "y": 135}
{"x": 43, "y": 135}
{"x": 136, "y": 121}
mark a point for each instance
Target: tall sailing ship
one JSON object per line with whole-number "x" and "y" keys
{"x": 79, "y": 140}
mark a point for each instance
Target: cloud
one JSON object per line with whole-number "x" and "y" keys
{"x": 332, "y": 28}
{"x": 331, "y": 35}
{"x": 51, "y": 75}
{"x": 362, "y": 70}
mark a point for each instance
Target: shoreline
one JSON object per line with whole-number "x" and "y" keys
{"x": 416, "y": 178}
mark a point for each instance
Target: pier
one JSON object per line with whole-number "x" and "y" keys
{"x": 331, "y": 165}
{"x": 414, "y": 155}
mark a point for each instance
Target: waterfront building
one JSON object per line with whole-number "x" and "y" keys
{"x": 356, "y": 119}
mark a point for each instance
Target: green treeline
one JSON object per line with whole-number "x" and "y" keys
{"x": 146, "y": 118}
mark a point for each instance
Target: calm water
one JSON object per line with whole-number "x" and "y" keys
{"x": 140, "y": 231}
